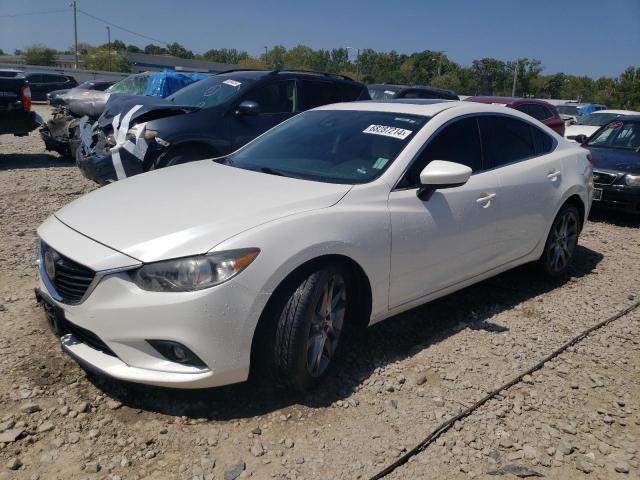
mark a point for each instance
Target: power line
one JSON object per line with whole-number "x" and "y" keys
{"x": 122, "y": 28}
{"x": 28, "y": 14}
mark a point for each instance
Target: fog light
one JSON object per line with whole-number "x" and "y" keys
{"x": 176, "y": 352}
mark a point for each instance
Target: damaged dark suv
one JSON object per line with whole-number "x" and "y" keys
{"x": 208, "y": 119}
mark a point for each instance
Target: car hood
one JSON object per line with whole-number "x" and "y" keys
{"x": 85, "y": 102}
{"x": 188, "y": 209}
{"x": 616, "y": 159}
{"x": 151, "y": 108}
{"x": 575, "y": 130}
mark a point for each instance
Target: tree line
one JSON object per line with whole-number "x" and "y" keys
{"x": 486, "y": 76}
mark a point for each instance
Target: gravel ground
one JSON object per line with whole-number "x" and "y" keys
{"x": 578, "y": 417}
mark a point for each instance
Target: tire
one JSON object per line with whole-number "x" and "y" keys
{"x": 561, "y": 242}
{"x": 307, "y": 339}
{"x": 177, "y": 156}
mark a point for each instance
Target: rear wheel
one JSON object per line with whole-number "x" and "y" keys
{"x": 310, "y": 326}
{"x": 561, "y": 242}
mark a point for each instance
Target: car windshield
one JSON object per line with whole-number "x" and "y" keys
{"x": 382, "y": 92}
{"x": 210, "y": 92}
{"x": 597, "y": 119}
{"x": 335, "y": 146}
{"x": 133, "y": 85}
{"x": 568, "y": 109}
{"x": 618, "y": 134}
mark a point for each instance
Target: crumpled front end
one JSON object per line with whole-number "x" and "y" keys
{"x": 107, "y": 157}
{"x": 60, "y": 133}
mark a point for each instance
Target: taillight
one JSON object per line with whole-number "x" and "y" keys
{"x": 590, "y": 160}
{"x": 25, "y": 94}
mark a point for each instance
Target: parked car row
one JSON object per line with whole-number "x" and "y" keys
{"x": 180, "y": 277}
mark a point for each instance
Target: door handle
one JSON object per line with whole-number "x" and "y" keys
{"x": 485, "y": 201}
{"x": 553, "y": 175}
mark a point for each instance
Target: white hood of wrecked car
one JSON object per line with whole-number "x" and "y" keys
{"x": 188, "y": 209}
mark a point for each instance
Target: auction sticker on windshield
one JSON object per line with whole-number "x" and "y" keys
{"x": 393, "y": 132}
{"x": 233, "y": 83}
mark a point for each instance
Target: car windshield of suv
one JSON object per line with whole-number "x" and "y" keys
{"x": 382, "y": 92}
{"x": 133, "y": 85}
{"x": 210, "y": 92}
{"x": 597, "y": 119}
{"x": 618, "y": 134}
{"x": 334, "y": 146}
{"x": 567, "y": 109}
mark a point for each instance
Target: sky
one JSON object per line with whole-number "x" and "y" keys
{"x": 582, "y": 37}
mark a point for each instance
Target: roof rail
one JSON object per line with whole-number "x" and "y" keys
{"x": 313, "y": 72}
{"x": 242, "y": 70}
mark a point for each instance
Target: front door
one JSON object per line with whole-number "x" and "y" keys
{"x": 450, "y": 237}
{"x": 277, "y": 101}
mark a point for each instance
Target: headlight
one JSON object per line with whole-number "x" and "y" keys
{"x": 193, "y": 273}
{"x": 632, "y": 180}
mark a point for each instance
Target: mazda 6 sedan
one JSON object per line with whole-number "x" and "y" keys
{"x": 338, "y": 218}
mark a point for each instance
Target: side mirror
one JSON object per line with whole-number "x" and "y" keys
{"x": 248, "y": 108}
{"x": 441, "y": 174}
{"x": 579, "y": 138}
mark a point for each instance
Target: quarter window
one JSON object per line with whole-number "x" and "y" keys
{"x": 506, "y": 140}
{"x": 458, "y": 142}
{"x": 276, "y": 97}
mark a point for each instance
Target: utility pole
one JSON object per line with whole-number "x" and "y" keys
{"x": 75, "y": 30}
{"x": 266, "y": 53}
{"x": 515, "y": 77}
{"x": 357, "y": 60}
{"x": 440, "y": 54}
{"x": 109, "y": 45}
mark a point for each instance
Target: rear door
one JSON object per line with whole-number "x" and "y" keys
{"x": 278, "y": 102}
{"x": 530, "y": 188}
{"x": 37, "y": 86}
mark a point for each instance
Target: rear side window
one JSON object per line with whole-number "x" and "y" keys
{"x": 53, "y": 78}
{"x": 539, "y": 112}
{"x": 34, "y": 78}
{"x": 543, "y": 142}
{"x": 352, "y": 92}
{"x": 314, "y": 94}
{"x": 457, "y": 142}
{"x": 506, "y": 140}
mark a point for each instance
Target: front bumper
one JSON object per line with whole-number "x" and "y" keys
{"x": 619, "y": 197}
{"x": 108, "y": 331}
{"x": 106, "y": 166}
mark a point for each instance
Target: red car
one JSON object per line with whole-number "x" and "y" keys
{"x": 538, "y": 109}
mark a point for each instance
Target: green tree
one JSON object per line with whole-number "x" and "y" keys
{"x": 155, "y": 50}
{"x": 225, "y": 55}
{"x": 2, "y": 52}
{"x": 98, "y": 59}
{"x": 133, "y": 49}
{"x": 276, "y": 58}
{"x": 40, "y": 55}
{"x": 178, "y": 50}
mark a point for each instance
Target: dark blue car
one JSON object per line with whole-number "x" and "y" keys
{"x": 208, "y": 119}
{"x": 615, "y": 150}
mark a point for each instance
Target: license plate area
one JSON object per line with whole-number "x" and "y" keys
{"x": 597, "y": 194}
{"x": 53, "y": 313}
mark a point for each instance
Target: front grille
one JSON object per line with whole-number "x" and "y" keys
{"x": 71, "y": 280}
{"x": 85, "y": 336}
{"x": 604, "y": 178}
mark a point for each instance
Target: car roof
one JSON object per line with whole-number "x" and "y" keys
{"x": 255, "y": 74}
{"x": 424, "y": 107}
{"x": 506, "y": 100}
{"x": 618, "y": 112}
{"x": 401, "y": 86}
{"x": 630, "y": 118}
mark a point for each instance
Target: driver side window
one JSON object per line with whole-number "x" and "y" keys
{"x": 458, "y": 142}
{"x": 274, "y": 97}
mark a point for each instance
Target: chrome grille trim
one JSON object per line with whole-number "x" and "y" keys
{"x": 604, "y": 178}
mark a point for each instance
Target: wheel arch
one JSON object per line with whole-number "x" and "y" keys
{"x": 576, "y": 200}
{"x": 265, "y": 326}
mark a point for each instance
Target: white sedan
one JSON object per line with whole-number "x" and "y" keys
{"x": 589, "y": 124}
{"x": 341, "y": 217}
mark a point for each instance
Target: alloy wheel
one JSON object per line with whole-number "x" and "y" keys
{"x": 326, "y": 325}
{"x": 564, "y": 237}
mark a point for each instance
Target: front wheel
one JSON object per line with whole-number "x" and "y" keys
{"x": 561, "y": 242}
{"x": 310, "y": 326}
